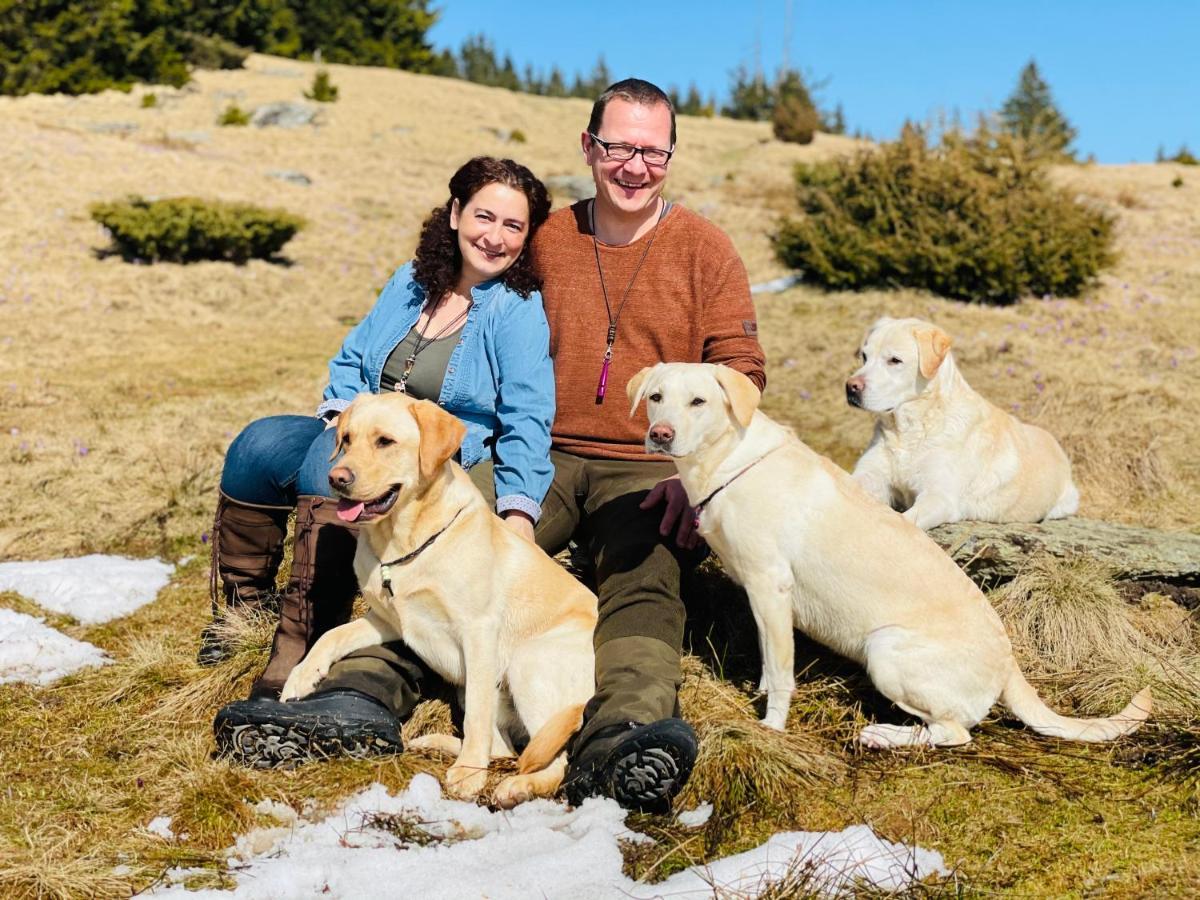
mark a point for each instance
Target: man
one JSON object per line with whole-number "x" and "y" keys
{"x": 629, "y": 280}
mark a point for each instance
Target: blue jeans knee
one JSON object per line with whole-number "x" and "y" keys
{"x": 274, "y": 459}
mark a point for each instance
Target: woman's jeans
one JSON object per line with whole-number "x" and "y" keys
{"x": 276, "y": 459}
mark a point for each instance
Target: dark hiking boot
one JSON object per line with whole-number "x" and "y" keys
{"x": 642, "y": 767}
{"x": 319, "y": 593}
{"x": 268, "y": 734}
{"x": 247, "y": 547}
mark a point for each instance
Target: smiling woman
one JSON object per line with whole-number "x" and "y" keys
{"x": 461, "y": 325}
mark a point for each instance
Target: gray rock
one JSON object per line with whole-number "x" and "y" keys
{"x": 118, "y": 128}
{"x": 577, "y": 187}
{"x": 282, "y": 73}
{"x": 291, "y": 176}
{"x": 284, "y": 114}
{"x": 776, "y": 285}
{"x": 992, "y": 553}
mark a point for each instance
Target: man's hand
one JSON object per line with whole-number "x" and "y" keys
{"x": 678, "y": 512}
{"x": 520, "y": 523}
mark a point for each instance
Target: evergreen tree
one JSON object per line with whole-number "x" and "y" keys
{"x": 749, "y": 96}
{"x": 1030, "y": 113}
{"x": 555, "y": 86}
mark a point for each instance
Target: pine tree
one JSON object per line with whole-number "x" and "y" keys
{"x": 1030, "y": 113}
{"x": 555, "y": 86}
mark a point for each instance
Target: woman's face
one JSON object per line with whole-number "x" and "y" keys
{"x": 492, "y": 228}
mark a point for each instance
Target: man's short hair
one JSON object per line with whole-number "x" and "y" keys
{"x": 631, "y": 90}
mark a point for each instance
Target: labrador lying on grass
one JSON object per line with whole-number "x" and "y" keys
{"x": 815, "y": 552}
{"x": 942, "y": 453}
{"x": 480, "y": 605}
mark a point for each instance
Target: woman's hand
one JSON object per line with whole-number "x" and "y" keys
{"x": 520, "y": 523}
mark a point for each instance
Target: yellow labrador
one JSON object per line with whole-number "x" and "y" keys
{"x": 483, "y": 607}
{"x": 815, "y": 552}
{"x": 940, "y": 451}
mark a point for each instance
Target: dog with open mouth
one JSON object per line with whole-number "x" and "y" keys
{"x": 816, "y": 553}
{"x": 483, "y": 607}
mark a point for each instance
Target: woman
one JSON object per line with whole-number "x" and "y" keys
{"x": 461, "y": 325}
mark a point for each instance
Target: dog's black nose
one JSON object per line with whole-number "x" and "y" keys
{"x": 854, "y": 390}
{"x": 340, "y": 477}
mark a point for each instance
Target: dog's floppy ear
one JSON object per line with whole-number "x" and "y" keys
{"x": 741, "y": 393}
{"x": 441, "y": 434}
{"x": 341, "y": 425}
{"x": 932, "y": 346}
{"x": 637, "y": 387}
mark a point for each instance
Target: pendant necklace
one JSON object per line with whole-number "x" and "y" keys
{"x": 602, "y": 386}
{"x": 421, "y": 343}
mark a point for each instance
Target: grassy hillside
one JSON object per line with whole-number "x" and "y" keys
{"x": 121, "y": 385}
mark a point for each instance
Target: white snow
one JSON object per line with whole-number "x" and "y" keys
{"x": 161, "y": 825}
{"x": 539, "y": 849}
{"x": 694, "y": 818}
{"x": 33, "y": 652}
{"x": 91, "y": 589}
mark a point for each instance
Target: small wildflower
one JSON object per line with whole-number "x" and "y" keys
{"x": 805, "y": 395}
{"x": 204, "y": 537}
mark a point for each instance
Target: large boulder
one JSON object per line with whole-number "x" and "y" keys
{"x": 284, "y": 114}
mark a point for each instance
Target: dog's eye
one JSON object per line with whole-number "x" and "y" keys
{"x": 862, "y": 354}
{"x": 698, "y": 401}
{"x": 383, "y": 442}
{"x": 655, "y": 398}
{"x": 894, "y": 361}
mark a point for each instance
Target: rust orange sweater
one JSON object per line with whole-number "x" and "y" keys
{"x": 690, "y": 302}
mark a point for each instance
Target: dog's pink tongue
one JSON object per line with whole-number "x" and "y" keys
{"x": 349, "y": 510}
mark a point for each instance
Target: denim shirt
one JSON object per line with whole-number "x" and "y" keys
{"x": 499, "y": 381}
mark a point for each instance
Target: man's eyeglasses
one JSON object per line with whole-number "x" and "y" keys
{"x": 651, "y": 156}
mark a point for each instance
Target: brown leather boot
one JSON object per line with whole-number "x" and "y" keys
{"x": 320, "y": 593}
{"x": 247, "y": 547}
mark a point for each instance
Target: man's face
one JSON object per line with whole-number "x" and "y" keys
{"x": 629, "y": 187}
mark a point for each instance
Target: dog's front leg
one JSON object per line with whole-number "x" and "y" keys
{"x": 873, "y": 472}
{"x": 467, "y": 777}
{"x": 332, "y": 646}
{"x": 932, "y": 508}
{"x": 771, "y": 604}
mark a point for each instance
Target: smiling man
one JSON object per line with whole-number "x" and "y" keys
{"x": 629, "y": 280}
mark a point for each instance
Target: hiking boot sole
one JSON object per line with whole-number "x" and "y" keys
{"x": 285, "y": 745}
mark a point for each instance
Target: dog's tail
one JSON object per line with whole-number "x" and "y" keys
{"x": 550, "y": 739}
{"x": 1020, "y": 697}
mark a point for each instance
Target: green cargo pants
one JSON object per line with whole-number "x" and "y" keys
{"x": 639, "y": 634}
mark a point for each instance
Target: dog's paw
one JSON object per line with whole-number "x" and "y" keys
{"x": 300, "y": 683}
{"x": 465, "y": 782}
{"x": 775, "y": 721}
{"x": 884, "y": 737}
{"x": 515, "y": 789}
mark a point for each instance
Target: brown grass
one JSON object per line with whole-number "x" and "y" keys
{"x": 121, "y": 386}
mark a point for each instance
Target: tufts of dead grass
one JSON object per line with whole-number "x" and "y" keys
{"x": 742, "y": 764}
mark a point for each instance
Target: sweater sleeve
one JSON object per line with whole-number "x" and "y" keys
{"x": 730, "y": 322}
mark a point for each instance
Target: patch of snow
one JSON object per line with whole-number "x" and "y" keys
{"x": 694, "y": 818}
{"x": 539, "y": 849}
{"x": 92, "y": 589}
{"x": 33, "y": 652}
{"x": 161, "y": 826}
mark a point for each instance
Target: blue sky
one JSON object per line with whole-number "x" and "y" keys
{"x": 1126, "y": 75}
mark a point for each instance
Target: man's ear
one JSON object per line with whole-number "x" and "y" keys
{"x": 441, "y": 435}
{"x": 635, "y": 389}
{"x": 932, "y": 346}
{"x": 741, "y": 393}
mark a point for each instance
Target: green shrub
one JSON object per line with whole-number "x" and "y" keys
{"x": 517, "y": 136}
{"x": 233, "y": 115}
{"x": 186, "y": 229}
{"x": 210, "y": 51}
{"x": 1177, "y": 181}
{"x": 974, "y": 218}
{"x": 323, "y": 90}
{"x": 795, "y": 120}
{"x": 149, "y": 101}
{"x": 1183, "y": 156}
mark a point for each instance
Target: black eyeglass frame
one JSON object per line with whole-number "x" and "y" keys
{"x": 633, "y": 151}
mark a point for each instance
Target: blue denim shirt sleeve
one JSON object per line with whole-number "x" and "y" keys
{"x": 524, "y": 405}
{"x": 348, "y": 368}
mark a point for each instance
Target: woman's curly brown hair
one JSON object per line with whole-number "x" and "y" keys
{"x": 438, "y": 261}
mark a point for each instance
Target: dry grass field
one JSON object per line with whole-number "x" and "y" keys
{"x": 121, "y": 385}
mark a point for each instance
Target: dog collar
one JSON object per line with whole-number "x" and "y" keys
{"x": 699, "y": 507}
{"x": 385, "y": 568}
